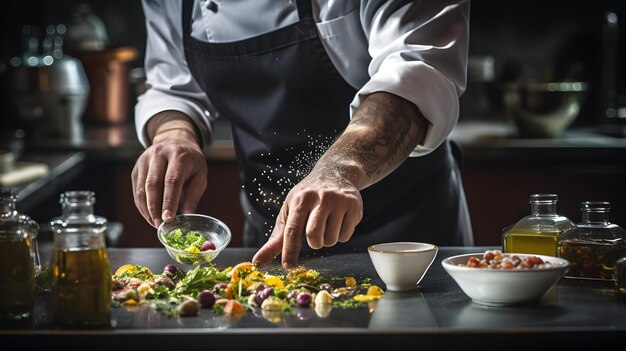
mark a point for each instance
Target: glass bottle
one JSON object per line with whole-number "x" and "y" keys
{"x": 594, "y": 246}
{"x": 81, "y": 285}
{"x": 19, "y": 258}
{"x": 538, "y": 232}
{"x": 620, "y": 278}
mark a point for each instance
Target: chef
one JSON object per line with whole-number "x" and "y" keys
{"x": 340, "y": 115}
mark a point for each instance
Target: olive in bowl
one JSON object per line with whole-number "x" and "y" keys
{"x": 497, "y": 279}
{"x": 194, "y": 239}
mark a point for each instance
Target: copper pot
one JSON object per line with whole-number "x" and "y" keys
{"x": 108, "y": 73}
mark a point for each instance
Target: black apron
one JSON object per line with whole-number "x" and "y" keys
{"x": 286, "y": 104}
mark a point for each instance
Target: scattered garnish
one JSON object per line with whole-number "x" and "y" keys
{"x": 237, "y": 289}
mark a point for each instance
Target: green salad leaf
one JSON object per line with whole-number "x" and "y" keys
{"x": 190, "y": 241}
{"x": 200, "y": 278}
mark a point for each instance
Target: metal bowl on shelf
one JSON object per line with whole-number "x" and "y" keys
{"x": 543, "y": 110}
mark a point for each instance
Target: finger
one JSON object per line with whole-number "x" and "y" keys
{"x": 350, "y": 221}
{"x": 172, "y": 189}
{"x": 154, "y": 189}
{"x": 333, "y": 227}
{"x": 192, "y": 193}
{"x": 292, "y": 237}
{"x": 316, "y": 227}
{"x": 138, "y": 177}
{"x": 274, "y": 244}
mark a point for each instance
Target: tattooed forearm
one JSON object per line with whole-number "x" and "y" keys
{"x": 382, "y": 133}
{"x": 395, "y": 131}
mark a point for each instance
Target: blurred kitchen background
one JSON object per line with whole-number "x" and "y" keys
{"x": 544, "y": 111}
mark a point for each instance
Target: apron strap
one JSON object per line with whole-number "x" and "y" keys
{"x": 304, "y": 9}
{"x": 187, "y": 11}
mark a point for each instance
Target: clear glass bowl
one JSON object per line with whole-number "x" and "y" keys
{"x": 211, "y": 228}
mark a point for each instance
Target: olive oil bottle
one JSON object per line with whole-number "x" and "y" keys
{"x": 17, "y": 259}
{"x": 81, "y": 273}
{"x": 539, "y": 232}
{"x": 82, "y": 287}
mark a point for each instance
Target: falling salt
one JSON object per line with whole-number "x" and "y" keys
{"x": 296, "y": 168}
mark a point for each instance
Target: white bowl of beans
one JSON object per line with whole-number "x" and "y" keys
{"x": 496, "y": 278}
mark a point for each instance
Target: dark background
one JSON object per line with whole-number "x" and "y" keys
{"x": 528, "y": 40}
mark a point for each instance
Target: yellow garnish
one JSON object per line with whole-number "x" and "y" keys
{"x": 350, "y": 281}
{"x": 375, "y": 291}
{"x": 312, "y": 274}
{"x": 366, "y": 298}
{"x": 193, "y": 250}
{"x": 240, "y": 270}
{"x": 124, "y": 268}
{"x": 129, "y": 302}
{"x": 143, "y": 290}
{"x": 274, "y": 281}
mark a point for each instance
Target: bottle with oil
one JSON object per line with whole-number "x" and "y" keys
{"x": 18, "y": 259}
{"x": 620, "y": 279}
{"x": 595, "y": 245}
{"x": 538, "y": 232}
{"x": 81, "y": 285}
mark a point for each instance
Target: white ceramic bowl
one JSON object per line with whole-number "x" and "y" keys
{"x": 211, "y": 228}
{"x": 402, "y": 265}
{"x": 500, "y": 287}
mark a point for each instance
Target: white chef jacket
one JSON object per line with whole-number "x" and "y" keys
{"x": 414, "y": 49}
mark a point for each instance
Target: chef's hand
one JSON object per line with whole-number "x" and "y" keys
{"x": 171, "y": 173}
{"x": 324, "y": 207}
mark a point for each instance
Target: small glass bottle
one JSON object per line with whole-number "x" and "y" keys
{"x": 81, "y": 285}
{"x": 19, "y": 258}
{"x": 593, "y": 247}
{"x": 620, "y": 278}
{"x": 538, "y": 232}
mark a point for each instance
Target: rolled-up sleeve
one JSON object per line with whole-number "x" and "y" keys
{"x": 170, "y": 85}
{"x": 419, "y": 52}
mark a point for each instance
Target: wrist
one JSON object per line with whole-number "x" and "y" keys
{"x": 170, "y": 133}
{"x": 172, "y": 125}
{"x": 342, "y": 167}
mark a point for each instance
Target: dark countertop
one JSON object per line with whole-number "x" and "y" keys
{"x": 497, "y": 142}
{"x": 438, "y": 315}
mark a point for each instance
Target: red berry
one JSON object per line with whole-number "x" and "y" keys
{"x": 208, "y": 245}
{"x": 170, "y": 268}
{"x": 206, "y": 299}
